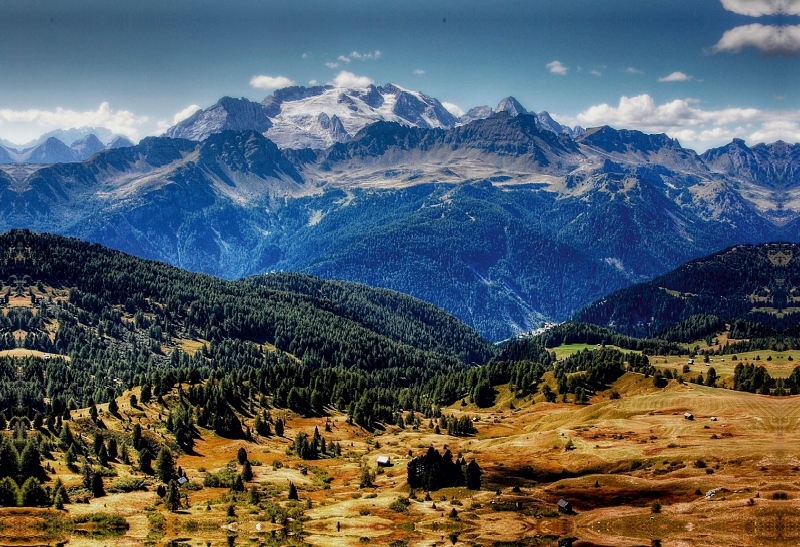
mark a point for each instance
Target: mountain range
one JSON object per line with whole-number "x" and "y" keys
{"x": 52, "y": 147}
{"x": 320, "y": 116}
{"x": 501, "y": 221}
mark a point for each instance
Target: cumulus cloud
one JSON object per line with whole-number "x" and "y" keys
{"x": 676, "y": 77}
{"x": 122, "y": 122}
{"x": 312, "y": 82}
{"x": 777, "y": 130}
{"x": 348, "y": 79}
{"x": 687, "y": 121}
{"x": 453, "y": 109}
{"x": 332, "y": 65}
{"x": 770, "y": 40}
{"x": 270, "y": 82}
{"x": 631, "y": 70}
{"x": 557, "y": 68}
{"x": 419, "y": 72}
{"x": 641, "y": 112}
{"x": 758, "y": 8}
{"x": 185, "y": 113}
{"x": 344, "y": 59}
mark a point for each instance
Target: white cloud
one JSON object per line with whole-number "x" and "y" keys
{"x": 344, "y": 59}
{"x": 631, "y": 70}
{"x": 453, "y": 109}
{"x": 557, "y": 68}
{"x": 348, "y": 79}
{"x": 366, "y": 56}
{"x": 641, "y": 112}
{"x": 676, "y": 77}
{"x": 758, "y": 8}
{"x": 270, "y": 82}
{"x": 770, "y": 40}
{"x": 185, "y": 113}
{"x": 312, "y": 82}
{"x": 419, "y": 72}
{"x": 777, "y": 130}
{"x": 685, "y": 120}
{"x": 122, "y": 122}
{"x": 304, "y": 56}
{"x": 595, "y": 72}
{"x": 332, "y": 65}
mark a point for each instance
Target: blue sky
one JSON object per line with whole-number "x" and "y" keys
{"x": 701, "y": 70}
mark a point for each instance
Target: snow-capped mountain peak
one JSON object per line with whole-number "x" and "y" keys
{"x": 318, "y": 116}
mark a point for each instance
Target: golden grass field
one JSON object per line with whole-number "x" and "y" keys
{"x": 627, "y": 453}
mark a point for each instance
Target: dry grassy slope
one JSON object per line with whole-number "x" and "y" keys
{"x": 754, "y": 452}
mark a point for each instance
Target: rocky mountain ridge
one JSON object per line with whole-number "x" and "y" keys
{"x": 500, "y": 221}
{"x": 53, "y": 149}
{"x": 320, "y": 116}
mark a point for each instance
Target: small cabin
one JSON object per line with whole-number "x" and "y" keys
{"x": 691, "y": 362}
{"x": 564, "y": 507}
{"x": 688, "y": 416}
{"x": 384, "y": 461}
{"x": 182, "y": 481}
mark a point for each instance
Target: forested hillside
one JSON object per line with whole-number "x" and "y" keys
{"x": 754, "y": 288}
{"x": 119, "y": 321}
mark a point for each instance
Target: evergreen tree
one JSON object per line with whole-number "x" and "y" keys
{"x": 472, "y": 475}
{"x": 30, "y": 465}
{"x": 292, "y": 492}
{"x": 165, "y": 466}
{"x": 247, "y": 471}
{"x": 172, "y": 497}
{"x": 98, "y": 489}
{"x": 9, "y": 492}
{"x": 32, "y": 494}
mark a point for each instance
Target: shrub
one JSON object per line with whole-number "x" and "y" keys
{"x": 400, "y": 505}
{"x": 127, "y": 484}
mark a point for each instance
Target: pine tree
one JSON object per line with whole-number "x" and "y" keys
{"x": 98, "y": 490}
{"x": 30, "y": 465}
{"x": 112, "y": 448}
{"x": 241, "y": 455}
{"x": 247, "y": 471}
{"x": 165, "y": 466}
{"x": 136, "y": 440}
{"x": 32, "y": 494}
{"x": 292, "y": 492}
{"x": 172, "y": 497}
{"x": 9, "y": 492}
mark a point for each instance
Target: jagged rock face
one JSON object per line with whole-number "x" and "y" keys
{"x": 227, "y": 114}
{"x": 776, "y": 165}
